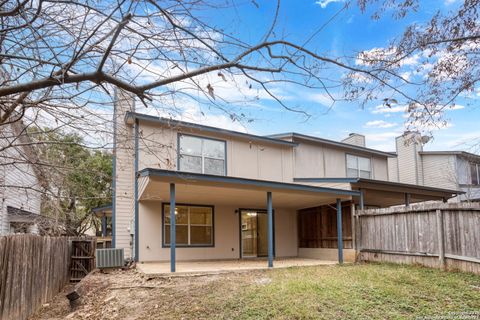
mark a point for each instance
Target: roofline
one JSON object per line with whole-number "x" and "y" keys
{"x": 381, "y": 182}
{"x": 102, "y": 208}
{"x": 183, "y": 124}
{"x": 294, "y": 135}
{"x": 460, "y": 153}
{"x": 243, "y": 181}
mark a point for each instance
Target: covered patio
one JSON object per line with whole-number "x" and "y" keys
{"x": 165, "y": 190}
{"x": 191, "y": 268}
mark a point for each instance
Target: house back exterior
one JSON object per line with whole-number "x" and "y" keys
{"x": 457, "y": 170}
{"x": 222, "y": 184}
{"x": 20, "y": 187}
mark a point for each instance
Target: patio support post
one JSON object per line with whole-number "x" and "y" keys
{"x": 362, "y": 204}
{"x": 172, "y": 227}
{"x": 104, "y": 225}
{"x": 339, "y": 231}
{"x": 407, "y": 199}
{"x": 270, "y": 229}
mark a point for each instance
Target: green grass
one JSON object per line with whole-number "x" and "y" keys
{"x": 365, "y": 291}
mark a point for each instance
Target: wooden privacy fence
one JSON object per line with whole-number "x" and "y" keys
{"x": 435, "y": 235}
{"x": 33, "y": 269}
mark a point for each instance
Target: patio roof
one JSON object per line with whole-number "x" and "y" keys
{"x": 387, "y": 193}
{"x": 99, "y": 211}
{"x": 294, "y": 136}
{"x": 208, "y": 189}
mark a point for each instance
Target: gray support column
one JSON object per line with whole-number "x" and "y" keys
{"x": 135, "y": 193}
{"x": 270, "y": 229}
{"x": 362, "y": 204}
{"x": 407, "y": 199}
{"x": 104, "y": 225}
{"x": 354, "y": 225}
{"x": 339, "y": 231}
{"x": 172, "y": 228}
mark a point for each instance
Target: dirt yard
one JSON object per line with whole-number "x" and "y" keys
{"x": 373, "y": 291}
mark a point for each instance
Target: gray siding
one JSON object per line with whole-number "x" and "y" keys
{"x": 409, "y": 161}
{"x": 393, "y": 169}
{"x": 124, "y": 179}
{"x": 317, "y": 161}
{"x": 440, "y": 171}
{"x": 19, "y": 186}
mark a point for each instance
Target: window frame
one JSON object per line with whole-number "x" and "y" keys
{"x": 358, "y": 167}
{"x": 179, "y": 155}
{"x": 477, "y": 166}
{"x": 165, "y": 245}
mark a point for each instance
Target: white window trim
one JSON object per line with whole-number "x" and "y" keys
{"x": 477, "y": 166}
{"x": 189, "y": 224}
{"x": 202, "y": 156}
{"x": 358, "y": 167}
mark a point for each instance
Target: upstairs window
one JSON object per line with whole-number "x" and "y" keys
{"x": 475, "y": 173}
{"x": 201, "y": 155}
{"x": 358, "y": 167}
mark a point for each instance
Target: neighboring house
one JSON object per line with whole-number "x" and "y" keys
{"x": 457, "y": 170}
{"x": 228, "y": 189}
{"x": 104, "y": 233}
{"x": 20, "y": 182}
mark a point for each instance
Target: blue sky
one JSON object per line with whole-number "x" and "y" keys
{"x": 350, "y": 32}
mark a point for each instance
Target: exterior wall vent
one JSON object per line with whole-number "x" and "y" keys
{"x": 110, "y": 258}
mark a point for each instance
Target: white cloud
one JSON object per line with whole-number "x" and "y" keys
{"x": 382, "y": 140}
{"x": 322, "y": 98}
{"x": 379, "y": 124}
{"x": 383, "y": 136}
{"x": 449, "y": 2}
{"x": 457, "y": 107}
{"x": 190, "y": 110}
{"x": 366, "y": 57}
{"x": 324, "y": 3}
{"x": 384, "y": 109}
{"x": 406, "y": 75}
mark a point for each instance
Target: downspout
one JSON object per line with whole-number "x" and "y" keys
{"x": 415, "y": 155}
{"x": 136, "y": 190}
{"x": 114, "y": 167}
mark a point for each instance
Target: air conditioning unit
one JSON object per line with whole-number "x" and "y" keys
{"x": 110, "y": 258}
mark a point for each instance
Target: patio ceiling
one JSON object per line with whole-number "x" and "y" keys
{"x": 222, "y": 190}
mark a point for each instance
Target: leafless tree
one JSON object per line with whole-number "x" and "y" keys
{"x": 61, "y": 59}
{"x": 432, "y": 64}
{"x": 59, "y": 56}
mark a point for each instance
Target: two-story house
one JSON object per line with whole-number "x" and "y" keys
{"x": 21, "y": 181}
{"x": 184, "y": 191}
{"x": 457, "y": 170}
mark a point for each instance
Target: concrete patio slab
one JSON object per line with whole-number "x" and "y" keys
{"x": 193, "y": 268}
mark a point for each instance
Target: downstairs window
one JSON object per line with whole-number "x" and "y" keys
{"x": 194, "y": 225}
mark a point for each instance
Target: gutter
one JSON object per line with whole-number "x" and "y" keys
{"x": 130, "y": 117}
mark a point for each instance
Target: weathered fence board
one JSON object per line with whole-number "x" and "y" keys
{"x": 435, "y": 235}
{"x": 33, "y": 270}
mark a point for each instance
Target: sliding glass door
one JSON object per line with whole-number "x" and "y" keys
{"x": 254, "y": 233}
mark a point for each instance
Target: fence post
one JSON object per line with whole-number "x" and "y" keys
{"x": 441, "y": 238}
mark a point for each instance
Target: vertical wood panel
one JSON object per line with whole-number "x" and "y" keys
{"x": 414, "y": 234}
{"x": 33, "y": 270}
